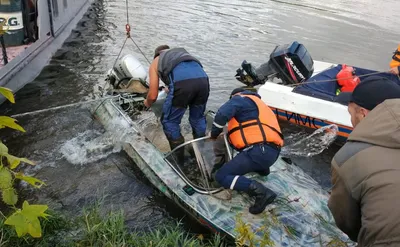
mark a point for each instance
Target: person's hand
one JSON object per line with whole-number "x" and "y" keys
{"x": 394, "y": 70}
{"x": 146, "y": 103}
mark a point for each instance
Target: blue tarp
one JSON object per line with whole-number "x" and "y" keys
{"x": 327, "y": 90}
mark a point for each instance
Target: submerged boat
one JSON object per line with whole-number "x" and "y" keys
{"x": 298, "y": 217}
{"x": 303, "y": 91}
{"x": 31, "y": 31}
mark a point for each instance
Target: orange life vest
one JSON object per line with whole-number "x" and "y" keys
{"x": 347, "y": 79}
{"x": 264, "y": 129}
{"x": 396, "y": 58}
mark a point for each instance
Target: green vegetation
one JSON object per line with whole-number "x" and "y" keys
{"x": 110, "y": 231}
{"x": 94, "y": 229}
{"x": 25, "y": 220}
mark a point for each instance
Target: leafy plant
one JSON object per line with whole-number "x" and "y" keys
{"x": 57, "y": 231}
{"x": 247, "y": 237}
{"x": 25, "y": 220}
{"x": 3, "y": 30}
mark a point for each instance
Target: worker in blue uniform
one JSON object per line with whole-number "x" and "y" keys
{"x": 188, "y": 86}
{"x": 253, "y": 130}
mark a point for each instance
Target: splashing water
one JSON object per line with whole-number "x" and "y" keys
{"x": 313, "y": 144}
{"x": 93, "y": 145}
{"x": 88, "y": 147}
{"x": 147, "y": 120}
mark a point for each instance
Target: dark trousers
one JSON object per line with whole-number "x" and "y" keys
{"x": 259, "y": 158}
{"x": 189, "y": 88}
{"x": 197, "y": 120}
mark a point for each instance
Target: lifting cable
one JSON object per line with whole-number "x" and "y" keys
{"x": 313, "y": 81}
{"x": 347, "y": 78}
{"x": 128, "y": 36}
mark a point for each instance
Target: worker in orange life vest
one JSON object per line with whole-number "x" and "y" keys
{"x": 395, "y": 63}
{"x": 253, "y": 130}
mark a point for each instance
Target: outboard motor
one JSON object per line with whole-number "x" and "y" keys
{"x": 292, "y": 63}
{"x": 129, "y": 78}
{"x": 127, "y": 70}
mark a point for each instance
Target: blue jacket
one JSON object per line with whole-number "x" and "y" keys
{"x": 242, "y": 108}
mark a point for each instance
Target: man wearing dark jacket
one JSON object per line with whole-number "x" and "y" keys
{"x": 253, "y": 130}
{"x": 365, "y": 195}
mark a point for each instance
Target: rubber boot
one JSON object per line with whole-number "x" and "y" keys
{"x": 263, "y": 197}
{"x": 264, "y": 173}
{"x": 179, "y": 154}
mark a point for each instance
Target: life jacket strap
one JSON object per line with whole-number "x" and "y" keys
{"x": 242, "y": 134}
{"x": 396, "y": 56}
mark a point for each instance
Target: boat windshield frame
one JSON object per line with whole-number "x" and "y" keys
{"x": 197, "y": 188}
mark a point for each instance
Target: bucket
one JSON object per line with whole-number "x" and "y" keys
{"x": 11, "y": 21}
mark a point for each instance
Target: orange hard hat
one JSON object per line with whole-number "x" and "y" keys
{"x": 347, "y": 79}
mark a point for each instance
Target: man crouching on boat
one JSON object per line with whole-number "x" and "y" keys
{"x": 188, "y": 85}
{"x": 365, "y": 196}
{"x": 253, "y": 130}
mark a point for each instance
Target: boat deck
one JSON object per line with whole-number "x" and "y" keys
{"x": 12, "y": 52}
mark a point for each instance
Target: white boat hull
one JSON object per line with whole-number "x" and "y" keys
{"x": 30, "y": 59}
{"x": 304, "y": 110}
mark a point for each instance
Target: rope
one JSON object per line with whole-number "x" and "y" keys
{"x": 4, "y": 50}
{"x": 127, "y": 12}
{"x": 61, "y": 107}
{"x": 120, "y": 51}
{"x": 330, "y": 80}
{"x": 128, "y": 36}
{"x": 307, "y": 82}
{"x": 141, "y": 51}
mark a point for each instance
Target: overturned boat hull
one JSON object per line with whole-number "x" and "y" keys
{"x": 298, "y": 217}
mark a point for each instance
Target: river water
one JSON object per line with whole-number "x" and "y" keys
{"x": 75, "y": 159}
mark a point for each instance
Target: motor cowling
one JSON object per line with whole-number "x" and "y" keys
{"x": 292, "y": 63}
{"x": 130, "y": 67}
{"x": 128, "y": 76}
